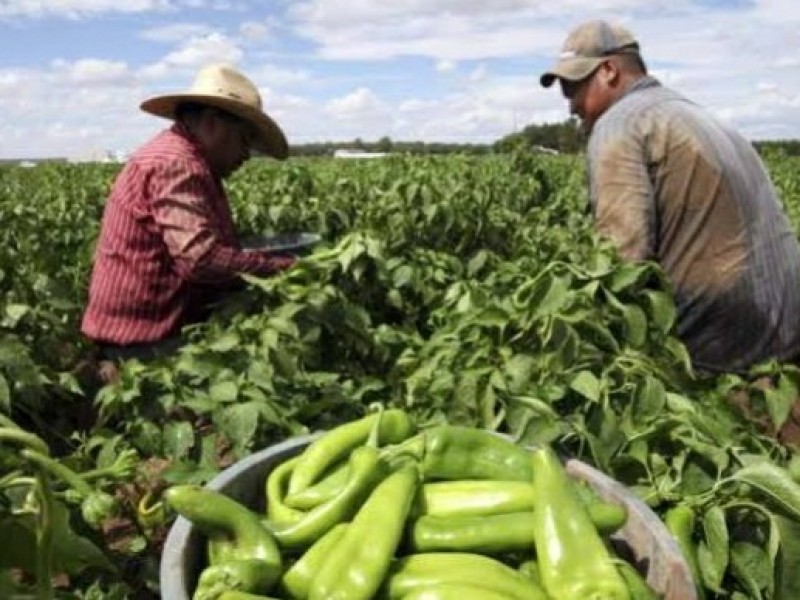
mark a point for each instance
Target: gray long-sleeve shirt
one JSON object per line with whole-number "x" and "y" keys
{"x": 670, "y": 183}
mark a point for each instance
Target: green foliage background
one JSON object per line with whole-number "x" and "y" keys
{"x": 468, "y": 289}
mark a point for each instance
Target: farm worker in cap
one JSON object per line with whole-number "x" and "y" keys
{"x": 167, "y": 245}
{"x": 670, "y": 183}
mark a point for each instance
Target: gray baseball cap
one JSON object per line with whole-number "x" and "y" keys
{"x": 586, "y": 47}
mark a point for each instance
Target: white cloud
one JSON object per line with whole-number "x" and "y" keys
{"x": 193, "y": 54}
{"x": 77, "y": 8}
{"x": 359, "y": 104}
{"x": 175, "y": 32}
{"x": 479, "y": 73}
{"x": 445, "y": 66}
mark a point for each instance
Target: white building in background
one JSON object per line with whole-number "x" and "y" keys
{"x": 347, "y": 153}
{"x": 103, "y": 156}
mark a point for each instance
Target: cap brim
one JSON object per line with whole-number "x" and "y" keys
{"x": 270, "y": 140}
{"x": 571, "y": 69}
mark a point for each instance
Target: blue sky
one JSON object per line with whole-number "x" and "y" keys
{"x": 73, "y": 72}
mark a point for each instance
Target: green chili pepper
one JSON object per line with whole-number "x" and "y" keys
{"x": 607, "y": 517}
{"x": 489, "y": 534}
{"x": 235, "y": 575}
{"x": 473, "y": 497}
{"x": 236, "y": 532}
{"x": 236, "y": 595}
{"x": 574, "y": 563}
{"x": 483, "y": 534}
{"x": 393, "y": 426}
{"x": 530, "y": 569}
{"x": 278, "y": 512}
{"x": 366, "y": 471}
{"x": 322, "y": 491}
{"x": 420, "y": 571}
{"x": 680, "y": 522}
{"x": 476, "y": 497}
{"x": 453, "y": 452}
{"x": 296, "y": 582}
{"x": 637, "y": 586}
{"x": 454, "y": 591}
{"x": 357, "y": 567}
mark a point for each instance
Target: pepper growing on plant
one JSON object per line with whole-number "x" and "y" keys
{"x": 574, "y": 563}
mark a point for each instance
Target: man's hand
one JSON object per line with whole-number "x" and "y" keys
{"x": 281, "y": 262}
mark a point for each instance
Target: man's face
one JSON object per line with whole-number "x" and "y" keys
{"x": 590, "y": 97}
{"x": 231, "y": 143}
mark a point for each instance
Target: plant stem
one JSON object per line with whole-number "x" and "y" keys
{"x": 55, "y": 468}
{"x": 15, "y": 435}
{"x": 44, "y": 538}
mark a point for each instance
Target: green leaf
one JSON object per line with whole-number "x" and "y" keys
{"x": 224, "y": 391}
{"x": 649, "y": 400}
{"x": 662, "y": 310}
{"x": 5, "y": 394}
{"x": 15, "y": 313}
{"x": 518, "y": 372}
{"x": 587, "y": 385}
{"x": 635, "y": 325}
{"x": 787, "y": 583}
{"x": 780, "y": 400}
{"x": 226, "y": 342}
{"x": 751, "y": 566}
{"x": 178, "y": 439}
{"x": 238, "y": 422}
{"x": 774, "y": 483}
{"x": 713, "y": 553}
{"x": 629, "y": 275}
{"x": 555, "y": 297}
{"x": 72, "y": 553}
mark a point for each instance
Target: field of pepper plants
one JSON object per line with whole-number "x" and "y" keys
{"x": 465, "y": 290}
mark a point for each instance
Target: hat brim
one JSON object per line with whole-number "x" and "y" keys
{"x": 570, "y": 69}
{"x": 270, "y": 139}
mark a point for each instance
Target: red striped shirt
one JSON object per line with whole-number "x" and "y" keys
{"x": 167, "y": 245}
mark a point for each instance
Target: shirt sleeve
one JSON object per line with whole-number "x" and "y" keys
{"x": 622, "y": 193}
{"x": 201, "y": 250}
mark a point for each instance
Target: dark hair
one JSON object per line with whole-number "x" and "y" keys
{"x": 633, "y": 61}
{"x": 186, "y": 112}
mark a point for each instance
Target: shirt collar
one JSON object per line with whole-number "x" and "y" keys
{"x": 643, "y": 83}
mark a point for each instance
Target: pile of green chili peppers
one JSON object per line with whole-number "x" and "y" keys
{"x": 375, "y": 508}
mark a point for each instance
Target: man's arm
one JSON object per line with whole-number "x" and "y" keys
{"x": 622, "y": 195}
{"x": 203, "y": 252}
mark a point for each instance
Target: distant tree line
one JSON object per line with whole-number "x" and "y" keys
{"x": 564, "y": 138}
{"x": 385, "y": 144}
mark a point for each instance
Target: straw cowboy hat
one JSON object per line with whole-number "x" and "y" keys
{"x": 224, "y": 87}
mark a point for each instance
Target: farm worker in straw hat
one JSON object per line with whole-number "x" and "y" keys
{"x": 670, "y": 183}
{"x": 167, "y": 244}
